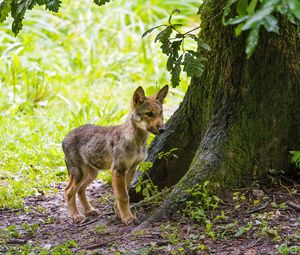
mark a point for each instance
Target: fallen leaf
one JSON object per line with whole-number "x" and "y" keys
{"x": 251, "y": 251}
{"x": 258, "y": 193}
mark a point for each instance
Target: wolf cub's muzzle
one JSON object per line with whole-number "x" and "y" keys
{"x": 156, "y": 130}
{"x": 161, "y": 130}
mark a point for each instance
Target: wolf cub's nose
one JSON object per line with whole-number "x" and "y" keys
{"x": 161, "y": 130}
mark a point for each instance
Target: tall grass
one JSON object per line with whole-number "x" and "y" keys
{"x": 67, "y": 69}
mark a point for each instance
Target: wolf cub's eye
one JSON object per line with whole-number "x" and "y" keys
{"x": 149, "y": 114}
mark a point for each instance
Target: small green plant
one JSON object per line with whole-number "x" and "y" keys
{"x": 12, "y": 231}
{"x": 167, "y": 154}
{"x": 100, "y": 228}
{"x": 29, "y": 248}
{"x": 238, "y": 197}
{"x": 24, "y": 249}
{"x": 296, "y": 158}
{"x": 274, "y": 174}
{"x": 283, "y": 249}
{"x": 182, "y": 243}
{"x": 243, "y": 229}
{"x": 261, "y": 226}
{"x": 64, "y": 249}
{"x": 153, "y": 247}
{"x": 113, "y": 247}
{"x": 147, "y": 187}
{"x": 171, "y": 233}
{"x": 41, "y": 209}
{"x": 149, "y": 190}
{"x": 30, "y": 229}
{"x": 48, "y": 220}
{"x": 202, "y": 204}
{"x": 234, "y": 229}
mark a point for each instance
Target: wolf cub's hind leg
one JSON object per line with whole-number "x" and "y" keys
{"x": 70, "y": 195}
{"x": 87, "y": 207}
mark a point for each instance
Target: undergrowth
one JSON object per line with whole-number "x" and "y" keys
{"x": 67, "y": 69}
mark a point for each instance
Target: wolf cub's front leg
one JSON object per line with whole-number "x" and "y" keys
{"x": 121, "y": 195}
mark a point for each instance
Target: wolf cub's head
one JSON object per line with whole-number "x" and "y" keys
{"x": 148, "y": 111}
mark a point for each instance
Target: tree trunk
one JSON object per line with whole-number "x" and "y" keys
{"x": 240, "y": 119}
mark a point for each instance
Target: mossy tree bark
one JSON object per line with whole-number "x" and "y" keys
{"x": 238, "y": 120}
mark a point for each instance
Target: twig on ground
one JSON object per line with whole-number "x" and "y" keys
{"x": 95, "y": 220}
{"x": 163, "y": 242}
{"x": 16, "y": 241}
{"x": 99, "y": 245}
{"x": 293, "y": 205}
{"x": 108, "y": 214}
{"x": 149, "y": 236}
{"x": 9, "y": 211}
{"x": 244, "y": 189}
{"x": 260, "y": 208}
{"x": 289, "y": 180}
{"x": 87, "y": 223}
{"x": 254, "y": 243}
{"x": 286, "y": 188}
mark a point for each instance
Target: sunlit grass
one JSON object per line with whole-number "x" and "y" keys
{"x": 67, "y": 69}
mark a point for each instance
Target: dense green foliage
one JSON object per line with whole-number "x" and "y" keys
{"x": 17, "y": 9}
{"x": 252, "y": 15}
{"x": 66, "y": 69}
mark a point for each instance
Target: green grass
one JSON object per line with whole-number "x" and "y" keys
{"x": 67, "y": 69}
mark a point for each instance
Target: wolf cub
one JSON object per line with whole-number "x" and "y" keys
{"x": 121, "y": 148}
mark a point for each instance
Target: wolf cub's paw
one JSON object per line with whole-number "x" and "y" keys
{"x": 92, "y": 212}
{"x": 128, "y": 220}
{"x": 78, "y": 218}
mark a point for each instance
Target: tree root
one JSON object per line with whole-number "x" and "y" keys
{"x": 153, "y": 200}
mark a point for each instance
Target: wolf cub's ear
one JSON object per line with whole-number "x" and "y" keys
{"x": 138, "y": 96}
{"x": 162, "y": 93}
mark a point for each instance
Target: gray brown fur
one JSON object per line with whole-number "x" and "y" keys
{"x": 121, "y": 148}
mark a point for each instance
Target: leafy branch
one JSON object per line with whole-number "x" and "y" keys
{"x": 172, "y": 45}
{"x": 101, "y": 2}
{"x": 18, "y": 8}
{"x": 251, "y": 15}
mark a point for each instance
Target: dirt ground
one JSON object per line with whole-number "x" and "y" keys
{"x": 256, "y": 221}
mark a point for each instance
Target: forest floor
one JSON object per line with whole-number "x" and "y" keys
{"x": 250, "y": 221}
